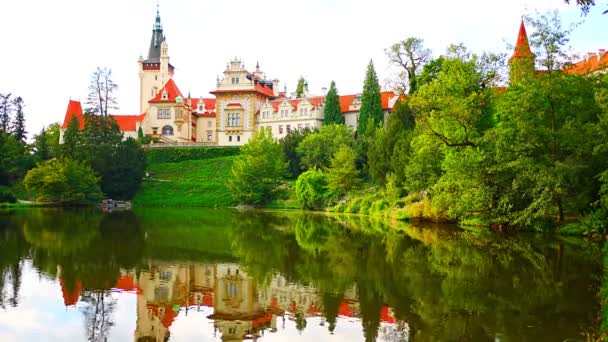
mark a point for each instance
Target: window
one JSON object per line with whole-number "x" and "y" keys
{"x": 156, "y": 77}
{"x": 284, "y": 113}
{"x": 200, "y": 108}
{"x": 238, "y": 138}
{"x": 230, "y": 139}
{"x": 167, "y": 130}
{"x": 165, "y": 96}
{"x": 234, "y": 119}
{"x": 165, "y": 275}
{"x": 266, "y": 114}
{"x": 288, "y": 129}
{"x": 280, "y": 129}
{"x": 235, "y": 80}
{"x": 164, "y": 113}
{"x": 209, "y": 124}
{"x": 209, "y": 136}
{"x": 231, "y": 290}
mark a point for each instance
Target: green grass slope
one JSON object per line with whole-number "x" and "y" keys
{"x": 192, "y": 183}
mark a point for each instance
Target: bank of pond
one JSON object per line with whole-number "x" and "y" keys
{"x": 217, "y": 274}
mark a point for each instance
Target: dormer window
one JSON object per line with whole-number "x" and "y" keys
{"x": 200, "y": 108}
{"x": 235, "y": 80}
{"x": 165, "y": 95}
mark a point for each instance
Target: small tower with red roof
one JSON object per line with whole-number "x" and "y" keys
{"x": 521, "y": 63}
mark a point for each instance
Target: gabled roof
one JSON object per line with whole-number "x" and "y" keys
{"x": 522, "y": 47}
{"x": 347, "y": 100}
{"x": 172, "y": 92}
{"x": 128, "y": 122}
{"x": 594, "y": 63}
{"x": 74, "y": 109}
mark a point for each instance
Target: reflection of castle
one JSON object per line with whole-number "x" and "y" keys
{"x": 241, "y": 308}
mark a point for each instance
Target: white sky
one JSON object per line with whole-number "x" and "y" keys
{"x": 50, "y": 48}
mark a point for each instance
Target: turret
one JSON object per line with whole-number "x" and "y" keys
{"x": 521, "y": 63}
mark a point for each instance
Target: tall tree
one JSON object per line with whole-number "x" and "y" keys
{"x": 411, "y": 56}
{"x": 332, "y": 112}
{"x": 371, "y": 101}
{"x": 549, "y": 39}
{"x": 301, "y": 87}
{"x": 6, "y": 109}
{"x": 41, "y": 147}
{"x": 101, "y": 92}
{"x": 342, "y": 175}
{"x": 18, "y": 126}
{"x": 72, "y": 138}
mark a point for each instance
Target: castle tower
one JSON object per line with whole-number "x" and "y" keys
{"x": 521, "y": 63}
{"x": 156, "y": 70}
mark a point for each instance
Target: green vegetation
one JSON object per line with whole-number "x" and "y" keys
{"x": 192, "y": 183}
{"x": 332, "y": 114}
{"x": 371, "y": 101}
{"x": 311, "y": 189}
{"x": 179, "y": 154}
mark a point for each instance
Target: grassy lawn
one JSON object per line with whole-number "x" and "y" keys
{"x": 192, "y": 183}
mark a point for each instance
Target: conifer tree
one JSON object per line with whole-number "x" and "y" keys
{"x": 71, "y": 139}
{"x": 332, "y": 113}
{"x": 6, "y": 107}
{"x": 371, "y": 101}
{"x": 301, "y": 87}
{"x": 18, "y": 127}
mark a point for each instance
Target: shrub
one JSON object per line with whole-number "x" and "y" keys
{"x": 178, "y": 154}
{"x": 6, "y": 195}
{"x": 63, "y": 180}
{"x": 311, "y": 189}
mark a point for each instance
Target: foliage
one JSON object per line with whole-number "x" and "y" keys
{"x": 301, "y": 87}
{"x": 123, "y": 177}
{"x": 72, "y": 139}
{"x": 549, "y": 39}
{"x": 342, "y": 175}
{"x": 18, "y": 125}
{"x": 101, "y": 98}
{"x": 6, "y": 195}
{"x": 310, "y": 189}
{"x": 317, "y": 148}
{"x": 63, "y": 180}
{"x": 46, "y": 144}
{"x": 411, "y": 56}
{"x": 190, "y": 183}
{"x": 289, "y": 144}
{"x": 371, "y": 101}
{"x": 179, "y": 154}
{"x": 14, "y": 161}
{"x": 332, "y": 114}
{"x": 258, "y": 170}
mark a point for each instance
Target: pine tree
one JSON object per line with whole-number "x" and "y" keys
{"x": 41, "y": 147}
{"x": 18, "y": 126}
{"x": 301, "y": 87}
{"x": 71, "y": 139}
{"x": 332, "y": 113}
{"x": 371, "y": 101}
{"x": 6, "y": 107}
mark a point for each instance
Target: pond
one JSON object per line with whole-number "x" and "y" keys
{"x": 225, "y": 275}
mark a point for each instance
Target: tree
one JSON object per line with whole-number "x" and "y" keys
{"x": 101, "y": 92}
{"x": 40, "y": 147}
{"x": 585, "y": 5}
{"x": 332, "y": 112}
{"x": 6, "y": 109}
{"x": 258, "y": 170}
{"x": 371, "y": 101}
{"x": 123, "y": 178}
{"x": 310, "y": 189}
{"x": 343, "y": 175}
{"x": 549, "y": 39}
{"x": 317, "y": 148}
{"x": 289, "y": 144}
{"x": 18, "y": 126}
{"x": 72, "y": 139}
{"x": 13, "y": 158}
{"x": 63, "y": 180}
{"x": 411, "y": 56}
{"x": 301, "y": 88}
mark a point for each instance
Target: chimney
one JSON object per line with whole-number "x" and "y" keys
{"x": 324, "y": 91}
{"x": 275, "y": 86}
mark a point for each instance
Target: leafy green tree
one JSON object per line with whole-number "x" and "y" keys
{"x": 342, "y": 175}
{"x": 331, "y": 112}
{"x": 310, "y": 189}
{"x": 317, "y": 148}
{"x": 301, "y": 87}
{"x": 430, "y": 71}
{"x": 40, "y": 147}
{"x": 289, "y": 144}
{"x": 123, "y": 178}
{"x": 258, "y": 170}
{"x": 72, "y": 139}
{"x": 410, "y": 56}
{"x": 63, "y": 180}
{"x": 18, "y": 125}
{"x": 371, "y": 101}
{"x": 549, "y": 40}
{"x": 13, "y": 162}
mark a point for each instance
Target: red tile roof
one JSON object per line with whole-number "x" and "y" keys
{"x": 258, "y": 88}
{"x": 172, "y": 93}
{"x": 209, "y": 104}
{"x": 128, "y": 122}
{"x": 347, "y": 100}
{"x": 591, "y": 64}
{"x": 74, "y": 109}
{"x": 522, "y": 47}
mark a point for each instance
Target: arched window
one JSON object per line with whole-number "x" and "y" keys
{"x": 167, "y": 130}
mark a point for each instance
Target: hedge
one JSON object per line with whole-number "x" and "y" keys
{"x": 179, "y": 154}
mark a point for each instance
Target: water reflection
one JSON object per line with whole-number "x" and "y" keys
{"x": 230, "y": 276}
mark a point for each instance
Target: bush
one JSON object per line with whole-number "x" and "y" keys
{"x": 311, "y": 189}
{"x": 178, "y": 154}
{"x": 63, "y": 180}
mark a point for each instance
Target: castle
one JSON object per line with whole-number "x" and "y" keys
{"x": 245, "y": 101}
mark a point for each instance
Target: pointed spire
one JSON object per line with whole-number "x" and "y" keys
{"x": 522, "y": 47}
{"x": 157, "y": 39}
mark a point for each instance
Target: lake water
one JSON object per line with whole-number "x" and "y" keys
{"x": 223, "y": 275}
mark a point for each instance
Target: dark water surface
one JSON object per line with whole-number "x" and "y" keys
{"x": 221, "y": 275}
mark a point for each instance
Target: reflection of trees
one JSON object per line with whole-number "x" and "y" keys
{"x": 446, "y": 284}
{"x": 13, "y": 249}
{"x": 97, "y": 312}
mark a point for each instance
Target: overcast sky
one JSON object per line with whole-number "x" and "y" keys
{"x": 50, "y": 48}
